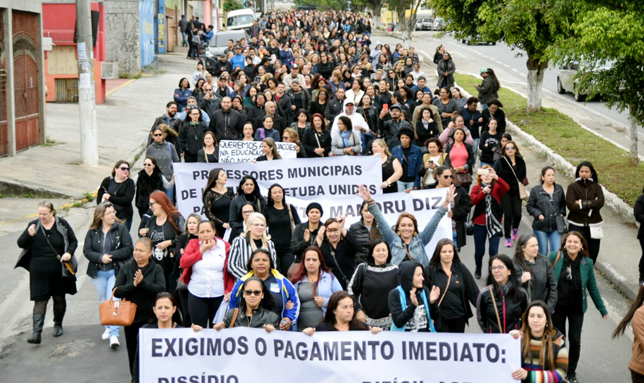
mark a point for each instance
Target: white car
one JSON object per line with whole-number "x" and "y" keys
{"x": 567, "y": 82}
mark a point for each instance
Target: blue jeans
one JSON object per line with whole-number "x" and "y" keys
{"x": 170, "y": 194}
{"x": 402, "y": 186}
{"x": 104, "y": 283}
{"x": 475, "y": 148}
{"x": 483, "y": 106}
{"x": 185, "y": 42}
{"x": 480, "y": 235}
{"x": 554, "y": 239}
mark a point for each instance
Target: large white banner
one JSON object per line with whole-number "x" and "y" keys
{"x": 246, "y": 151}
{"x": 423, "y": 204}
{"x": 307, "y": 178}
{"x": 247, "y": 355}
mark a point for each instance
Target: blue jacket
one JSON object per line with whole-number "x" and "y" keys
{"x": 418, "y": 242}
{"x": 286, "y": 58}
{"x": 288, "y": 294}
{"x": 181, "y": 97}
{"x": 238, "y": 61}
{"x": 327, "y": 285}
{"x": 262, "y": 133}
{"x": 414, "y": 162}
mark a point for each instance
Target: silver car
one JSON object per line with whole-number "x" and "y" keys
{"x": 567, "y": 81}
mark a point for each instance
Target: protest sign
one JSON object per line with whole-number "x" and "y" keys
{"x": 246, "y": 151}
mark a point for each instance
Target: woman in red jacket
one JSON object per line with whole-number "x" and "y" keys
{"x": 487, "y": 216}
{"x": 206, "y": 274}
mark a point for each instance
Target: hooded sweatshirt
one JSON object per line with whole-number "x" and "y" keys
{"x": 412, "y": 318}
{"x": 356, "y": 119}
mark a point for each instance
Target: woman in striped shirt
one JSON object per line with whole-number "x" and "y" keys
{"x": 255, "y": 237}
{"x": 545, "y": 357}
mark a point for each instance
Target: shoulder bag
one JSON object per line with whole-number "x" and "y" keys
{"x": 523, "y": 194}
{"x": 234, "y": 318}
{"x": 68, "y": 268}
{"x": 562, "y": 228}
{"x": 117, "y": 313}
{"x": 496, "y": 309}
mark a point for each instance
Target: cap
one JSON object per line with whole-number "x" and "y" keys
{"x": 395, "y": 106}
{"x": 294, "y": 66}
{"x": 314, "y": 205}
{"x": 483, "y": 70}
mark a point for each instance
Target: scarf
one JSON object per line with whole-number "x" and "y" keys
{"x": 493, "y": 213}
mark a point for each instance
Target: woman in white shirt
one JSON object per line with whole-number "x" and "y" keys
{"x": 205, "y": 271}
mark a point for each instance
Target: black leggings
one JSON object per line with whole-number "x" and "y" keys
{"x": 575, "y": 323}
{"x": 452, "y": 325}
{"x": 593, "y": 244}
{"x": 182, "y": 293}
{"x": 132, "y": 341}
{"x": 60, "y": 306}
{"x": 284, "y": 261}
{"x": 511, "y": 204}
{"x": 203, "y": 310}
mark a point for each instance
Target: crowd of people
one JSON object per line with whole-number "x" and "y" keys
{"x": 317, "y": 80}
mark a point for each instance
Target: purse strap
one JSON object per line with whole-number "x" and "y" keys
{"x": 511, "y": 168}
{"x": 556, "y": 259}
{"x": 496, "y": 309}
{"x": 234, "y": 319}
{"x": 446, "y": 288}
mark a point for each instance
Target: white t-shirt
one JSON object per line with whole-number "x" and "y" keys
{"x": 207, "y": 280}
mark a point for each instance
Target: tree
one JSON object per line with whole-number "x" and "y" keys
{"x": 400, "y": 7}
{"x": 530, "y": 25}
{"x": 608, "y": 40}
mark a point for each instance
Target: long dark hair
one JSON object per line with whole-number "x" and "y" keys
{"x": 267, "y": 301}
{"x": 514, "y": 292}
{"x": 589, "y": 165}
{"x": 261, "y": 250}
{"x": 370, "y": 259}
{"x": 329, "y": 316}
{"x": 518, "y": 252}
{"x": 212, "y": 180}
{"x": 245, "y": 178}
{"x": 547, "y": 354}
{"x": 436, "y": 258}
{"x": 300, "y": 273}
{"x": 269, "y": 199}
{"x": 637, "y": 303}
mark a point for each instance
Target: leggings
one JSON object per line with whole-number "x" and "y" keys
{"x": 593, "y": 244}
{"x": 284, "y": 261}
{"x": 203, "y": 310}
{"x": 452, "y": 325}
{"x": 132, "y": 341}
{"x": 60, "y": 306}
{"x": 511, "y": 204}
{"x": 575, "y": 323}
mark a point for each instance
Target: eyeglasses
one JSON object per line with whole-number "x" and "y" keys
{"x": 248, "y": 212}
{"x": 147, "y": 164}
{"x": 510, "y": 148}
{"x": 448, "y": 177}
{"x": 125, "y": 169}
{"x": 158, "y": 135}
{"x": 501, "y": 267}
{"x": 253, "y": 292}
{"x": 286, "y": 138}
{"x": 152, "y": 204}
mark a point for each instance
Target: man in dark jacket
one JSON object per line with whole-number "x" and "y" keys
{"x": 278, "y": 122}
{"x": 169, "y": 118}
{"x": 222, "y": 65}
{"x": 183, "y": 24}
{"x": 209, "y": 103}
{"x": 300, "y": 97}
{"x": 335, "y": 106}
{"x": 388, "y": 128}
{"x": 226, "y": 122}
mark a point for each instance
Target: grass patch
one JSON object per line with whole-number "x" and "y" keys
{"x": 564, "y": 136}
{"x": 29, "y": 194}
{"x": 89, "y": 196}
{"x": 49, "y": 142}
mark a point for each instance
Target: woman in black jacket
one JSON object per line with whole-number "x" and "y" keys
{"x": 148, "y": 180}
{"x": 281, "y": 219}
{"x": 457, "y": 285}
{"x": 108, "y": 245}
{"x": 139, "y": 282}
{"x": 119, "y": 190}
{"x": 317, "y": 138}
{"x": 46, "y": 242}
{"x": 217, "y": 199}
{"x": 511, "y": 168}
{"x": 408, "y": 303}
{"x": 248, "y": 191}
{"x": 547, "y": 204}
{"x": 365, "y": 232}
{"x": 191, "y": 133}
{"x": 339, "y": 248}
{"x": 534, "y": 271}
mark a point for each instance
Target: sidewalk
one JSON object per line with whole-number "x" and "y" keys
{"x": 124, "y": 121}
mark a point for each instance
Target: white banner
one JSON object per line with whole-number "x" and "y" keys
{"x": 247, "y": 355}
{"x": 246, "y": 151}
{"x": 307, "y": 178}
{"x": 423, "y": 204}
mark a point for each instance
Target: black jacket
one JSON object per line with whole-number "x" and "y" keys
{"x": 121, "y": 198}
{"x": 510, "y": 310}
{"x": 401, "y": 318}
{"x": 191, "y": 136}
{"x": 255, "y": 112}
{"x": 342, "y": 259}
{"x": 121, "y": 248}
{"x": 470, "y": 290}
{"x": 540, "y": 203}
{"x": 210, "y": 106}
{"x": 226, "y": 125}
{"x": 462, "y": 207}
{"x": 543, "y": 286}
{"x": 503, "y": 170}
{"x": 310, "y": 142}
{"x": 260, "y": 317}
{"x": 364, "y": 237}
{"x": 25, "y": 240}
{"x": 145, "y": 185}
{"x": 639, "y": 215}
{"x": 298, "y": 244}
{"x": 145, "y": 293}
{"x": 333, "y": 108}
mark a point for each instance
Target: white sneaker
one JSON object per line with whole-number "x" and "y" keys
{"x": 106, "y": 334}
{"x": 114, "y": 342}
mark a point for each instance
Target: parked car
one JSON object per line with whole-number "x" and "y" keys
{"x": 240, "y": 19}
{"x": 439, "y": 24}
{"x": 567, "y": 79}
{"x": 423, "y": 24}
{"x": 476, "y": 40}
{"x": 419, "y": 25}
{"x": 218, "y": 44}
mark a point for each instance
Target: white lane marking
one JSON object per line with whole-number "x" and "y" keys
{"x": 514, "y": 70}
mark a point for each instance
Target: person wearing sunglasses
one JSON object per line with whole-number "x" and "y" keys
{"x": 149, "y": 179}
{"x": 575, "y": 275}
{"x": 119, "y": 189}
{"x": 254, "y": 308}
{"x": 286, "y": 303}
{"x": 165, "y": 153}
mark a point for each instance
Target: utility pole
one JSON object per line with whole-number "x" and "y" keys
{"x": 86, "y": 95}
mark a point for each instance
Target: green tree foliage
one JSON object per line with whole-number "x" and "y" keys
{"x": 231, "y": 5}
{"x": 608, "y": 33}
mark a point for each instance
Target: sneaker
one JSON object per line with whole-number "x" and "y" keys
{"x": 114, "y": 342}
{"x": 515, "y": 234}
{"x": 508, "y": 242}
{"x": 106, "y": 334}
{"x": 573, "y": 379}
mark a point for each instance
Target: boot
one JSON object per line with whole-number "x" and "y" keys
{"x": 58, "y": 329}
{"x": 477, "y": 273}
{"x": 59, "y": 314}
{"x": 39, "y": 321}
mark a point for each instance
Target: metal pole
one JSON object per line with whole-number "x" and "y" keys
{"x": 86, "y": 101}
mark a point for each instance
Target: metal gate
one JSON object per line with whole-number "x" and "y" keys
{"x": 66, "y": 90}
{"x": 26, "y": 91}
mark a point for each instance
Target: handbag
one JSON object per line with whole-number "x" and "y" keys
{"x": 117, "y": 313}
{"x": 562, "y": 228}
{"x": 523, "y": 194}
{"x": 596, "y": 232}
{"x": 69, "y": 268}
{"x": 462, "y": 179}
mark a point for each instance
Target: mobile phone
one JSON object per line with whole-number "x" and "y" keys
{"x": 385, "y": 107}
{"x": 483, "y": 172}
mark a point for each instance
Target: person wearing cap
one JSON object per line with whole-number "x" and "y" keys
{"x": 294, "y": 76}
{"x": 238, "y": 60}
{"x": 300, "y": 97}
{"x": 192, "y": 103}
{"x": 489, "y": 88}
{"x": 411, "y": 158}
{"x": 305, "y": 233}
{"x": 389, "y": 126}
{"x": 357, "y": 121}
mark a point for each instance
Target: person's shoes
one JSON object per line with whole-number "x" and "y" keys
{"x": 38, "y": 322}
{"x": 477, "y": 273}
{"x": 106, "y": 334}
{"x": 114, "y": 342}
{"x": 572, "y": 379}
{"x": 515, "y": 234}
{"x": 508, "y": 242}
{"x": 58, "y": 329}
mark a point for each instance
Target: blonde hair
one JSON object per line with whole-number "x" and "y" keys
{"x": 382, "y": 143}
{"x": 265, "y": 236}
{"x": 49, "y": 206}
{"x": 293, "y": 134}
